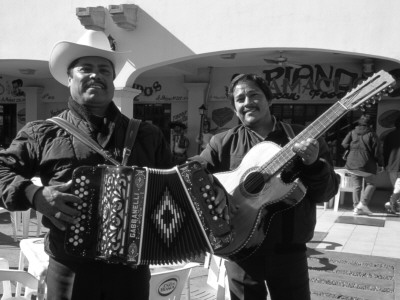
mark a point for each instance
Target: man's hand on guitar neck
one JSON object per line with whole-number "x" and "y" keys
{"x": 307, "y": 150}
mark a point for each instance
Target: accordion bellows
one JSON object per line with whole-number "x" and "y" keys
{"x": 147, "y": 216}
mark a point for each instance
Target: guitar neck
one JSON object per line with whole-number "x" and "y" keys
{"x": 314, "y": 131}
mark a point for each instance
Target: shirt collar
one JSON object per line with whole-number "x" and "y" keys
{"x": 261, "y": 138}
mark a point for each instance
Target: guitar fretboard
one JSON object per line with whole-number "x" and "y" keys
{"x": 314, "y": 130}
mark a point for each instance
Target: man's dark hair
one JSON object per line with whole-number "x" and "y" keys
{"x": 75, "y": 62}
{"x": 258, "y": 80}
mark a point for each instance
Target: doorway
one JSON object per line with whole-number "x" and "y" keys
{"x": 157, "y": 114}
{"x": 8, "y": 124}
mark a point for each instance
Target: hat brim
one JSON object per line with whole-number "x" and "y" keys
{"x": 64, "y": 53}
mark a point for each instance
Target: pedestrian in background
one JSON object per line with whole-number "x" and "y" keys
{"x": 180, "y": 143}
{"x": 362, "y": 162}
{"x": 391, "y": 160}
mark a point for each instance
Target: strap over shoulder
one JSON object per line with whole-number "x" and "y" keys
{"x": 130, "y": 137}
{"x": 83, "y": 137}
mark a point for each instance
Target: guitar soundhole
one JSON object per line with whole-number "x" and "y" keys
{"x": 254, "y": 183}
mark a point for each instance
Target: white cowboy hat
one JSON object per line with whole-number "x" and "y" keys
{"x": 92, "y": 43}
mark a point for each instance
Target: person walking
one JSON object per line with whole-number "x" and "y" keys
{"x": 391, "y": 159}
{"x": 362, "y": 162}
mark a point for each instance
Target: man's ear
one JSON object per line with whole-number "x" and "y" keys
{"x": 69, "y": 80}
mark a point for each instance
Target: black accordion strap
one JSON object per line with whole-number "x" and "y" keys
{"x": 130, "y": 138}
{"x": 83, "y": 137}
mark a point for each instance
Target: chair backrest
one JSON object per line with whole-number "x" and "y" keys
{"x": 4, "y": 265}
{"x": 345, "y": 180}
{"x": 169, "y": 285}
{"x": 23, "y": 277}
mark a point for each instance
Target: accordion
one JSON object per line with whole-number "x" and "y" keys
{"x": 143, "y": 216}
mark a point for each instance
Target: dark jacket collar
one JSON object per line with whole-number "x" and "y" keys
{"x": 95, "y": 122}
{"x": 100, "y": 127}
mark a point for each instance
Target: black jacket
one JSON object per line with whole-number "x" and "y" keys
{"x": 293, "y": 226}
{"x": 42, "y": 148}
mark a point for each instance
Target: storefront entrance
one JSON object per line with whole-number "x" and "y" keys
{"x": 8, "y": 124}
{"x": 157, "y": 114}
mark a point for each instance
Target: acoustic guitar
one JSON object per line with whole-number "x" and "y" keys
{"x": 256, "y": 191}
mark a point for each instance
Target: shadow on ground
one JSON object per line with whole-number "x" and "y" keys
{"x": 338, "y": 275}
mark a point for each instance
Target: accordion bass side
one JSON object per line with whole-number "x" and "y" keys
{"x": 146, "y": 216}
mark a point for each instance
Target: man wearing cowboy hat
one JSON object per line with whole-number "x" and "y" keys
{"x": 88, "y": 68}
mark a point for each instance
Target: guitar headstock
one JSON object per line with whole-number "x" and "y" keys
{"x": 369, "y": 91}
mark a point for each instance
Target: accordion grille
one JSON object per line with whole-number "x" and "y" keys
{"x": 172, "y": 233}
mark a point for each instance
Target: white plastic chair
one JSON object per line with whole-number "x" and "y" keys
{"x": 23, "y": 218}
{"x": 13, "y": 216}
{"x": 23, "y": 277}
{"x": 32, "y": 252}
{"x": 217, "y": 277}
{"x": 169, "y": 285}
{"x": 345, "y": 185}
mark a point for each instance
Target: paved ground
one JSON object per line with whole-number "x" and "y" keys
{"x": 338, "y": 250}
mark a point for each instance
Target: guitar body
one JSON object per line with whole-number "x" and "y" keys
{"x": 251, "y": 207}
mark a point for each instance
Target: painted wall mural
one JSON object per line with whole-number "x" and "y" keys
{"x": 163, "y": 89}
{"x": 10, "y": 90}
{"x": 310, "y": 83}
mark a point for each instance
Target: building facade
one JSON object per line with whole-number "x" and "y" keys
{"x": 183, "y": 54}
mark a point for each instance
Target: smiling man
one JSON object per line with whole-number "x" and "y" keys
{"x": 42, "y": 148}
{"x": 90, "y": 80}
{"x": 280, "y": 261}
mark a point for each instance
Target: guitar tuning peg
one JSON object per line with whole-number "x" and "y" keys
{"x": 362, "y": 108}
{"x": 389, "y": 89}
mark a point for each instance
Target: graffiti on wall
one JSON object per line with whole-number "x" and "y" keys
{"x": 148, "y": 90}
{"x": 48, "y": 97}
{"x": 309, "y": 82}
{"x": 11, "y": 92}
{"x": 156, "y": 91}
{"x": 221, "y": 117}
{"x": 180, "y": 117}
